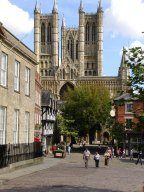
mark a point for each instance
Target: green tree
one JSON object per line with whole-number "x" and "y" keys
{"x": 117, "y": 131}
{"x": 135, "y": 61}
{"x": 88, "y": 106}
{"x": 65, "y": 127}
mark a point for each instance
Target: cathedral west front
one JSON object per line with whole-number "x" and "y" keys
{"x": 81, "y": 52}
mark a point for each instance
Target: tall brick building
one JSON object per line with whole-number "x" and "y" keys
{"x": 129, "y": 111}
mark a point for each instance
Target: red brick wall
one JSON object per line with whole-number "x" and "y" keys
{"x": 138, "y": 108}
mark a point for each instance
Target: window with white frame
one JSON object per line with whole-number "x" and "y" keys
{"x": 129, "y": 107}
{"x": 2, "y": 124}
{"x": 3, "y": 69}
{"x": 16, "y": 76}
{"x": 27, "y": 126}
{"x": 16, "y": 126}
{"x": 128, "y": 123}
{"x": 27, "y": 81}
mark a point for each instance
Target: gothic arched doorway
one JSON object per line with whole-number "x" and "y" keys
{"x": 64, "y": 89}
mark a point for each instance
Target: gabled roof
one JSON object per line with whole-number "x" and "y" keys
{"x": 125, "y": 96}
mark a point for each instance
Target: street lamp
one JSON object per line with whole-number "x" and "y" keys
{"x": 112, "y": 112}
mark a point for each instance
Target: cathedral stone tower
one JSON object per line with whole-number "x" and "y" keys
{"x": 81, "y": 52}
{"x": 46, "y": 45}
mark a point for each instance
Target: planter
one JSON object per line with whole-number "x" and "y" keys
{"x": 59, "y": 154}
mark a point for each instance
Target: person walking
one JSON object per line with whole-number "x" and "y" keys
{"x": 106, "y": 156}
{"x": 124, "y": 154}
{"x": 86, "y": 157}
{"x": 69, "y": 149}
{"x": 131, "y": 154}
{"x": 139, "y": 158}
{"x": 97, "y": 158}
{"x": 109, "y": 151}
{"x": 112, "y": 149}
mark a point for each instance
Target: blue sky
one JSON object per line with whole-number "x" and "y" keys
{"x": 123, "y": 23}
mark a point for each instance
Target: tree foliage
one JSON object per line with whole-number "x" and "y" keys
{"x": 87, "y": 106}
{"x": 117, "y": 131}
{"x": 65, "y": 126}
{"x": 135, "y": 61}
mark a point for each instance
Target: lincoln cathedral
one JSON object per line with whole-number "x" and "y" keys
{"x": 81, "y": 52}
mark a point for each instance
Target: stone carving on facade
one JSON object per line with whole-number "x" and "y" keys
{"x": 67, "y": 71}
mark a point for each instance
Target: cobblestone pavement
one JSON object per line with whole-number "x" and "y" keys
{"x": 69, "y": 175}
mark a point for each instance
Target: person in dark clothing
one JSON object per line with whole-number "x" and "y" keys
{"x": 139, "y": 158}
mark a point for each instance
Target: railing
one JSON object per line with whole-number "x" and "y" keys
{"x": 11, "y": 153}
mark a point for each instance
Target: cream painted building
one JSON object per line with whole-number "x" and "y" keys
{"x": 17, "y": 90}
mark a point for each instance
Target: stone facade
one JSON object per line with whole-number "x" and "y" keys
{"x": 20, "y": 99}
{"x": 81, "y": 52}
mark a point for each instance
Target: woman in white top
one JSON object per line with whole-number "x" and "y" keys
{"x": 97, "y": 158}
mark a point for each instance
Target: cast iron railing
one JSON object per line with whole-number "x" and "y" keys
{"x": 11, "y": 153}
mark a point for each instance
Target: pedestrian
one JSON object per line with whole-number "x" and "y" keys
{"x": 97, "y": 158}
{"x": 112, "y": 149}
{"x": 69, "y": 149}
{"x": 99, "y": 147}
{"x": 109, "y": 151}
{"x": 124, "y": 154}
{"x": 117, "y": 152}
{"x": 86, "y": 157}
{"x": 139, "y": 158}
{"x": 131, "y": 154}
{"x": 83, "y": 143}
{"x": 120, "y": 153}
{"x": 106, "y": 156}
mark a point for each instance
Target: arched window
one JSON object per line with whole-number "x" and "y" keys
{"x": 49, "y": 33}
{"x": 43, "y": 33}
{"x": 63, "y": 73}
{"x": 93, "y": 32}
{"x": 68, "y": 47}
{"x": 46, "y": 65}
{"x": 77, "y": 49}
{"x": 41, "y": 64}
{"x": 87, "y": 32}
{"x": 60, "y": 74}
{"x": 71, "y": 49}
{"x": 71, "y": 73}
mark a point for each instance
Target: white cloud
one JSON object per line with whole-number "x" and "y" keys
{"x": 133, "y": 44}
{"x": 136, "y": 44}
{"x": 14, "y": 18}
{"x": 125, "y": 17}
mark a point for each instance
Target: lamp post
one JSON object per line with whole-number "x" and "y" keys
{"x": 113, "y": 114}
